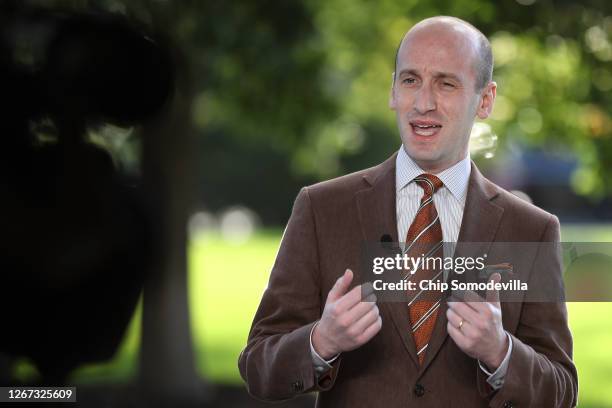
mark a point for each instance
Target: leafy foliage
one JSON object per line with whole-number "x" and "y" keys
{"x": 287, "y": 93}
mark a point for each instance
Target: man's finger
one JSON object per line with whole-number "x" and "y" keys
{"x": 453, "y": 318}
{"x": 366, "y": 320}
{"x": 473, "y": 300}
{"x": 350, "y": 299}
{"x": 341, "y": 286}
{"x": 464, "y": 310}
{"x": 493, "y": 294}
{"x": 358, "y": 310}
{"x": 457, "y": 335}
{"x": 371, "y": 331}
{"x": 459, "y": 323}
{"x": 367, "y": 289}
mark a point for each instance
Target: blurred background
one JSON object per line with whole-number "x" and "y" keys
{"x": 177, "y": 169}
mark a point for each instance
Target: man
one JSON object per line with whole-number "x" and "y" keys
{"x": 312, "y": 332}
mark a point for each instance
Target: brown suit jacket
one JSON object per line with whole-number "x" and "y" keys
{"x": 324, "y": 236}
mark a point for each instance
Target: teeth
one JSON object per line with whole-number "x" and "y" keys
{"x": 425, "y": 130}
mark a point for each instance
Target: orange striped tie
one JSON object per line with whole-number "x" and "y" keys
{"x": 425, "y": 238}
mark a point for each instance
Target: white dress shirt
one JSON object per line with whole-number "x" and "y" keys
{"x": 449, "y": 199}
{"x": 450, "y": 202}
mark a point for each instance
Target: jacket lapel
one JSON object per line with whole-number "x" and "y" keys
{"x": 377, "y": 216}
{"x": 481, "y": 218}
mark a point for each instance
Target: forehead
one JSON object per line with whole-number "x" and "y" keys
{"x": 437, "y": 48}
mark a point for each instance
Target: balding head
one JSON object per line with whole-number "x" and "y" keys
{"x": 465, "y": 34}
{"x": 443, "y": 84}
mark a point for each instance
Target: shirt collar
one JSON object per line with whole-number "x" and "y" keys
{"x": 455, "y": 178}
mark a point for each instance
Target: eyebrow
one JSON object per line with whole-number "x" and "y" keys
{"x": 436, "y": 74}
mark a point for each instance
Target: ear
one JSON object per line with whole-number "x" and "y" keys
{"x": 487, "y": 99}
{"x": 392, "y": 101}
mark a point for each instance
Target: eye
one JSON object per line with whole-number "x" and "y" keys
{"x": 408, "y": 81}
{"x": 448, "y": 85}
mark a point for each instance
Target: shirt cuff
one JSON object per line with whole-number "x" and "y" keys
{"x": 320, "y": 364}
{"x": 496, "y": 379}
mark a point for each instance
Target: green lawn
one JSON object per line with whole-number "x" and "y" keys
{"x": 226, "y": 282}
{"x": 225, "y": 285}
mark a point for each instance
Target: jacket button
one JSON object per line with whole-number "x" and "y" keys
{"x": 297, "y": 386}
{"x": 508, "y": 404}
{"x": 419, "y": 390}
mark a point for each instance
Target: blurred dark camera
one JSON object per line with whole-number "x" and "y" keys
{"x": 97, "y": 66}
{"x": 77, "y": 238}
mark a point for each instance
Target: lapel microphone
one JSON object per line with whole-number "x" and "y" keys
{"x": 386, "y": 238}
{"x": 386, "y": 241}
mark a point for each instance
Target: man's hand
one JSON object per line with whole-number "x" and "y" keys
{"x": 476, "y": 327}
{"x": 347, "y": 322}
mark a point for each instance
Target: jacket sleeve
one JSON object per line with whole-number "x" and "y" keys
{"x": 540, "y": 372}
{"x": 276, "y": 363}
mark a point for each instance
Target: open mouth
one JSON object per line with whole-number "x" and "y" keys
{"x": 425, "y": 129}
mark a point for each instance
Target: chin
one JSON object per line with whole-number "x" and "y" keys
{"x": 421, "y": 153}
{"x": 427, "y": 162}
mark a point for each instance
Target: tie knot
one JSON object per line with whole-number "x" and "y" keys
{"x": 429, "y": 183}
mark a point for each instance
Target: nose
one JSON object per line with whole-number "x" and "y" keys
{"x": 424, "y": 100}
